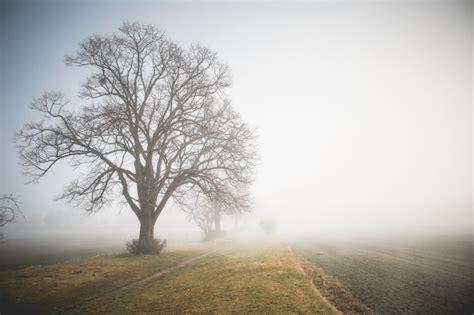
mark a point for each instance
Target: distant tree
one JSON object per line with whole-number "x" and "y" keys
{"x": 157, "y": 127}
{"x": 9, "y": 210}
{"x": 207, "y": 212}
{"x": 204, "y": 219}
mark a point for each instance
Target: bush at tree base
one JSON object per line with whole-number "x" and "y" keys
{"x": 157, "y": 245}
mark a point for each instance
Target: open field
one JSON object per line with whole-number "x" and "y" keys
{"x": 231, "y": 279}
{"x": 19, "y": 254}
{"x": 431, "y": 276}
{"x": 54, "y": 288}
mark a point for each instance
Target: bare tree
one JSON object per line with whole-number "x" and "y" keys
{"x": 204, "y": 218}
{"x": 208, "y": 210}
{"x": 156, "y": 126}
{"x": 9, "y": 210}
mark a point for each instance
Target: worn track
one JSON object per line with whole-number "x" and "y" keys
{"x": 77, "y": 307}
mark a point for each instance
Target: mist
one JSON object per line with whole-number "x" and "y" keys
{"x": 363, "y": 112}
{"x": 236, "y": 157}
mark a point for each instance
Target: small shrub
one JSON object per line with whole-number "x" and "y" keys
{"x": 154, "y": 248}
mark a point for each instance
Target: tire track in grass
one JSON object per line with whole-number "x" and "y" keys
{"x": 77, "y": 307}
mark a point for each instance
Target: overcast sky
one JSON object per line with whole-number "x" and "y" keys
{"x": 363, "y": 109}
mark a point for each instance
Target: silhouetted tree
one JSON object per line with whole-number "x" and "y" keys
{"x": 9, "y": 210}
{"x": 157, "y": 127}
{"x": 207, "y": 212}
{"x": 204, "y": 219}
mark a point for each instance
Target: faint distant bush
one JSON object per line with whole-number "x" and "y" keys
{"x": 268, "y": 226}
{"x": 154, "y": 248}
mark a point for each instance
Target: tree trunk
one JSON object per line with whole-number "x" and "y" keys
{"x": 207, "y": 235}
{"x": 217, "y": 221}
{"x": 146, "y": 240}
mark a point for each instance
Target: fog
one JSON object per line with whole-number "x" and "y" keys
{"x": 363, "y": 112}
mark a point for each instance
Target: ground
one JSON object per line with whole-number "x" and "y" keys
{"x": 303, "y": 278}
{"x": 425, "y": 276}
{"x": 55, "y": 288}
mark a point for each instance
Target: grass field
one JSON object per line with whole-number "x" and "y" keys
{"x": 17, "y": 254}
{"x": 232, "y": 280}
{"x": 305, "y": 278}
{"x": 432, "y": 276}
{"x": 54, "y": 288}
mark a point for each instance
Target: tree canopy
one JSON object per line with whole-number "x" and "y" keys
{"x": 154, "y": 124}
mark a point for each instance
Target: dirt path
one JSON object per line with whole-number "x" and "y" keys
{"x": 76, "y": 308}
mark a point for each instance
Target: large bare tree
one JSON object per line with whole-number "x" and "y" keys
{"x": 155, "y": 125}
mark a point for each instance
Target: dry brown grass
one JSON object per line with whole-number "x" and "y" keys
{"x": 239, "y": 281}
{"x": 55, "y": 287}
{"x": 236, "y": 280}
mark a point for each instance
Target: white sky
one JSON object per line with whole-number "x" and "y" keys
{"x": 363, "y": 109}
